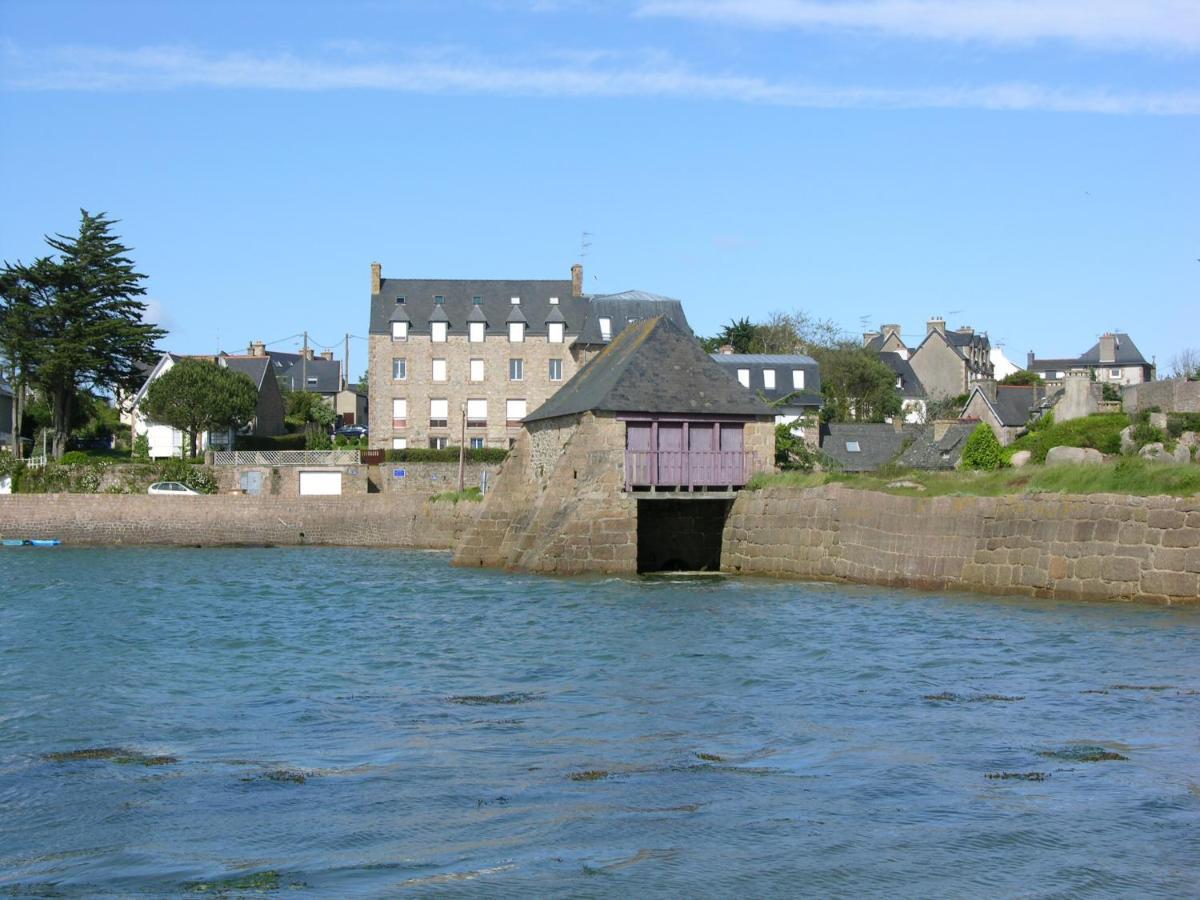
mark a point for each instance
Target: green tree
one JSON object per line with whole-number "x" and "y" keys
{"x": 195, "y": 396}
{"x": 857, "y": 387}
{"x": 739, "y": 334}
{"x": 1022, "y": 377}
{"x": 306, "y": 406}
{"x": 24, "y": 291}
{"x": 982, "y": 450}
{"x": 87, "y": 323}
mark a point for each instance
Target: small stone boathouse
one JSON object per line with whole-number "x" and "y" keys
{"x": 631, "y": 466}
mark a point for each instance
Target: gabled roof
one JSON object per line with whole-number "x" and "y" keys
{"x": 1014, "y": 404}
{"x": 292, "y": 372}
{"x": 927, "y": 453}
{"x": 1127, "y": 353}
{"x": 876, "y": 443}
{"x": 495, "y": 299}
{"x": 255, "y": 367}
{"x": 910, "y": 384}
{"x": 627, "y": 308}
{"x": 782, "y": 364}
{"x": 652, "y": 367}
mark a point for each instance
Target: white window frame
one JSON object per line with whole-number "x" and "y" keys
{"x": 399, "y": 363}
{"x": 555, "y": 331}
{"x": 743, "y": 376}
{"x": 516, "y": 332}
{"x": 476, "y": 443}
{"x": 441, "y": 371}
{"x": 511, "y": 407}
{"x": 439, "y": 443}
{"x": 437, "y": 406}
{"x": 399, "y": 412}
{"x": 769, "y": 379}
{"x": 797, "y": 379}
{"x": 477, "y": 370}
{"x": 605, "y": 328}
{"x": 519, "y": 368}
{"x": 555, "y": 363}
{"x": 399, "y": 331}
{"x": 438, "y": 331}
{"x": 477, "y": 413}
{"x": 1114, "y": 373}
{"x": 399, "y": 443}
{"x": 853, "y": 447}
{"x": 475, "y": 331}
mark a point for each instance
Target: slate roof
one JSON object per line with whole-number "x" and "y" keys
{"x": 626, "y": 306}
{"x": 878, "y": 444}
{"x": 292, "y": 372}
{"x": 256, "y": 367}
{"x": 910, "y": 384}
{"x": 496, "y": 303}
{"x": 783, "y": 364}
{"x": 1127, "y": 354}
{"x": 652, "y": 366}
{"x": 927, "y": 453}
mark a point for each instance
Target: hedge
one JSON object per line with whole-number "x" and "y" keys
{"x": 274, "y": 442}
{"x": 449, "y": 454}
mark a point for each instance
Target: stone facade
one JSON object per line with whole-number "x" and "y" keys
{"x": 374, "y": 520}
{"x": 419, "y": 386}
{"x": 424, "y": 479}
{"x": 1096, "y": 547}
{"x": 945, "y": 370}
{"x": 1172, "y": 395}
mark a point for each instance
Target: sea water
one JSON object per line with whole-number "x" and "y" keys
{"x": 341, "y": 722}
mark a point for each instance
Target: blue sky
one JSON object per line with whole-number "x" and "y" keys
{"x": 1028, "y": 168}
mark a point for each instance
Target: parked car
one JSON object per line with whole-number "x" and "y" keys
{"x": 172, "y": 488}
{"x": 351, "y": 431}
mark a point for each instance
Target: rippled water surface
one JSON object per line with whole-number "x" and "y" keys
{"x": 367, "y": 723}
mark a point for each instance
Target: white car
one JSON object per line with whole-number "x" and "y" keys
{"x": 174, "y": 488}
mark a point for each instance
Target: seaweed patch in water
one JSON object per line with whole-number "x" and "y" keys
{"x": 710, "y": 757}
{"x": 1017, "y": 776}
{"x": 1083, "y": 753}
{"x": 1140, "y": 687}
{"x": 118, "y": 755}
{"x": 281, "y": 776}
{"x": 258, "y": 882}
{"x": 589, "y": 775}
{"x": 507, "y": 699}
{"x": 947, "y": 697}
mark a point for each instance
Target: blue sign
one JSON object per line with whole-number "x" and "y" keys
{"x": 398, "y": 473}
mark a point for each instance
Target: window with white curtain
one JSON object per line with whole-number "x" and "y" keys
{"x": 437, "y": 332}
{"x": 605, "y": 328}
{"x": 399, "y": 331}
{"x": 516, "y": 332}
{"x": 399, "y": 413}
{"x": 769, "y": 379}
{"x": 554, "y": 332}
{"x": 399, "y": 443}
{"x": 439, "y": 413}
{"x": 744, "y": 377}
{"x": 439, "y": 370}
{"x": 476, "y": 413}
{"x": 475, "y": 332}
{"x": 514, "y": 411}
{"x": 477, "y": 370}
{"x": 797, "y": 379}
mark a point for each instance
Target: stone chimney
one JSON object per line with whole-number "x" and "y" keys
{"x": 376, "y": 278}
{"x": 941, "y": 426}
{"x": 257, "y": 348}
{"x": 327, "y": 355}
{"x": 869, "y": 336}
{"x": 1029, "y": 358}
{"x": 725, "y": 349}
{"x": 889, "y": 330}
{"x": 965, "y": 329}
{"x": 1108, "y": 348}
{"x": 307, "y": 352}
{"x": 935, "y": 324}
{"x": 577, "y": 280}
{"x": 988, "y": 387}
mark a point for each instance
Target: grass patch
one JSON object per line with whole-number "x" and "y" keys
{"x": 1129, "y": 475}
{"x": 471, "y": 495}
{"x": 1101, "y": 433}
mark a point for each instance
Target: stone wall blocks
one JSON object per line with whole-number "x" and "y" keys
{"x": 1173, "y": 584}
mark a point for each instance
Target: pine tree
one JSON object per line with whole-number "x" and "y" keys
{"x": 87, "y": 322}
{"x": 196, "y": 396}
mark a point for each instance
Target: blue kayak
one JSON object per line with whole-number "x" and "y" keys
{"x": 29, "y": 543}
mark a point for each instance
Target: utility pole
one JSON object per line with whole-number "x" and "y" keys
{"x": 304, "y": 364}
{"x": 462, "y": 446}
{"x": 346, "y": 363}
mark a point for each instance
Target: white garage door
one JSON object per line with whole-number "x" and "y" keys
{"x": 320, "y": 484}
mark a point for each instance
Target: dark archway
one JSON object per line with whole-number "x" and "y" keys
{"x": 681, "y": 535}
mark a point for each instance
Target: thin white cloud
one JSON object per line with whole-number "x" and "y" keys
{"x": 1170, "y": 24}
{"x": 652, "y": 75}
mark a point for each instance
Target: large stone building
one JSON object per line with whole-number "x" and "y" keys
{"x": 453, "y": 359}
{"x": 631, "y": 467}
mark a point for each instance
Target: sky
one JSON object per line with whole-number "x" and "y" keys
{"x": 1026, "y": 167}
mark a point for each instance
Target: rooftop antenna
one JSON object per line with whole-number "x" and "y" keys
{"x": 863, "y": 321}
{"x": 585, "y": 243}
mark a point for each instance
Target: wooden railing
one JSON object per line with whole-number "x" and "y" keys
{"x": 689, "y": 469}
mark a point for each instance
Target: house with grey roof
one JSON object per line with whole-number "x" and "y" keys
{"x": 789, "y": 383}
{"x": 1113, "y": 359}
{"x": 1007, "y": 409}
{"x": 166, "y": 441}
{"x": 912, "y": 392}
{"x": 318, "y": 373}
{"x": 455, "y": 360}
{"x": 865, "y": 447}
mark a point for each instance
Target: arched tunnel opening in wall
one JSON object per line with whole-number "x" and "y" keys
{"x": 681, "y": 535}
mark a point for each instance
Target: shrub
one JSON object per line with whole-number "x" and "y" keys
{"x": 1111, "y": 392}
{"x": 274, "y": 442}
{"x": 790, "y": 450}
{"x": 1144, "y": 433}
{"x": 982, "y": 450}
{"x": 1178, "y": 423}
{"x": 141, "y": 448}
{"x": 449, "y": 454}
{"x": 316, "y": 437}
{"x": 197, "y": 478}
{"x": 1022, "y": 377}
{"x": 75, "y": 458}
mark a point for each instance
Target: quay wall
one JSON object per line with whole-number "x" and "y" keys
{"x": 1093, "y": 547}
{"x": 367, "y": 520}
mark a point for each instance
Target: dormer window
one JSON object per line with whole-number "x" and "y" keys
{"x": 798, "y": 379}
{"x": 312, "y": 381}
{"x": 437, "y": 332}
{"x": 399, "y": 301}
{"x": 605, "y": 328}
{"x": 744, "y": 377}
{"x": 475, "y": 332}
{"x": 516, "y": 332}
{"x": 439, "y": 300}
{"x": 399, "y": 331}
{"x": 769, "y": 379}
{"x": 477, "y": 300}
{"x": 516, "y": 301}
{"x": 554, "y": 301}
{"x": 554, "y": 332}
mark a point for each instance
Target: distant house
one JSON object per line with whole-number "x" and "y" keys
{"x": 320, "y": 374}
{"x": 944, "y": 364}
{"x": 790, "y": 384}
{"x": 1114, "y": 359}
{"x": 864, "y": 447}
{"x": 1002, "y": 366}
{"x": 6, "y": 411}
{"x": 166, "y": 441}
{"x": 1007, "y": 409}
{"x": 912, "y": 393}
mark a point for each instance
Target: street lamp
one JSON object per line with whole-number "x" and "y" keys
{"x": 462, "y": 445}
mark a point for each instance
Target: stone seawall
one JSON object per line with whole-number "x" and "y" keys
{"x": 1096, "y": 547}
{"x": 366, "y": 520}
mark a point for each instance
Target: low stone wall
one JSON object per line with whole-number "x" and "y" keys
{"x": 1171, "y": 395}
{"x": 1096, "y": 547}
{"x": 424, "y": 479}
{"x": 368, "y": 520}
